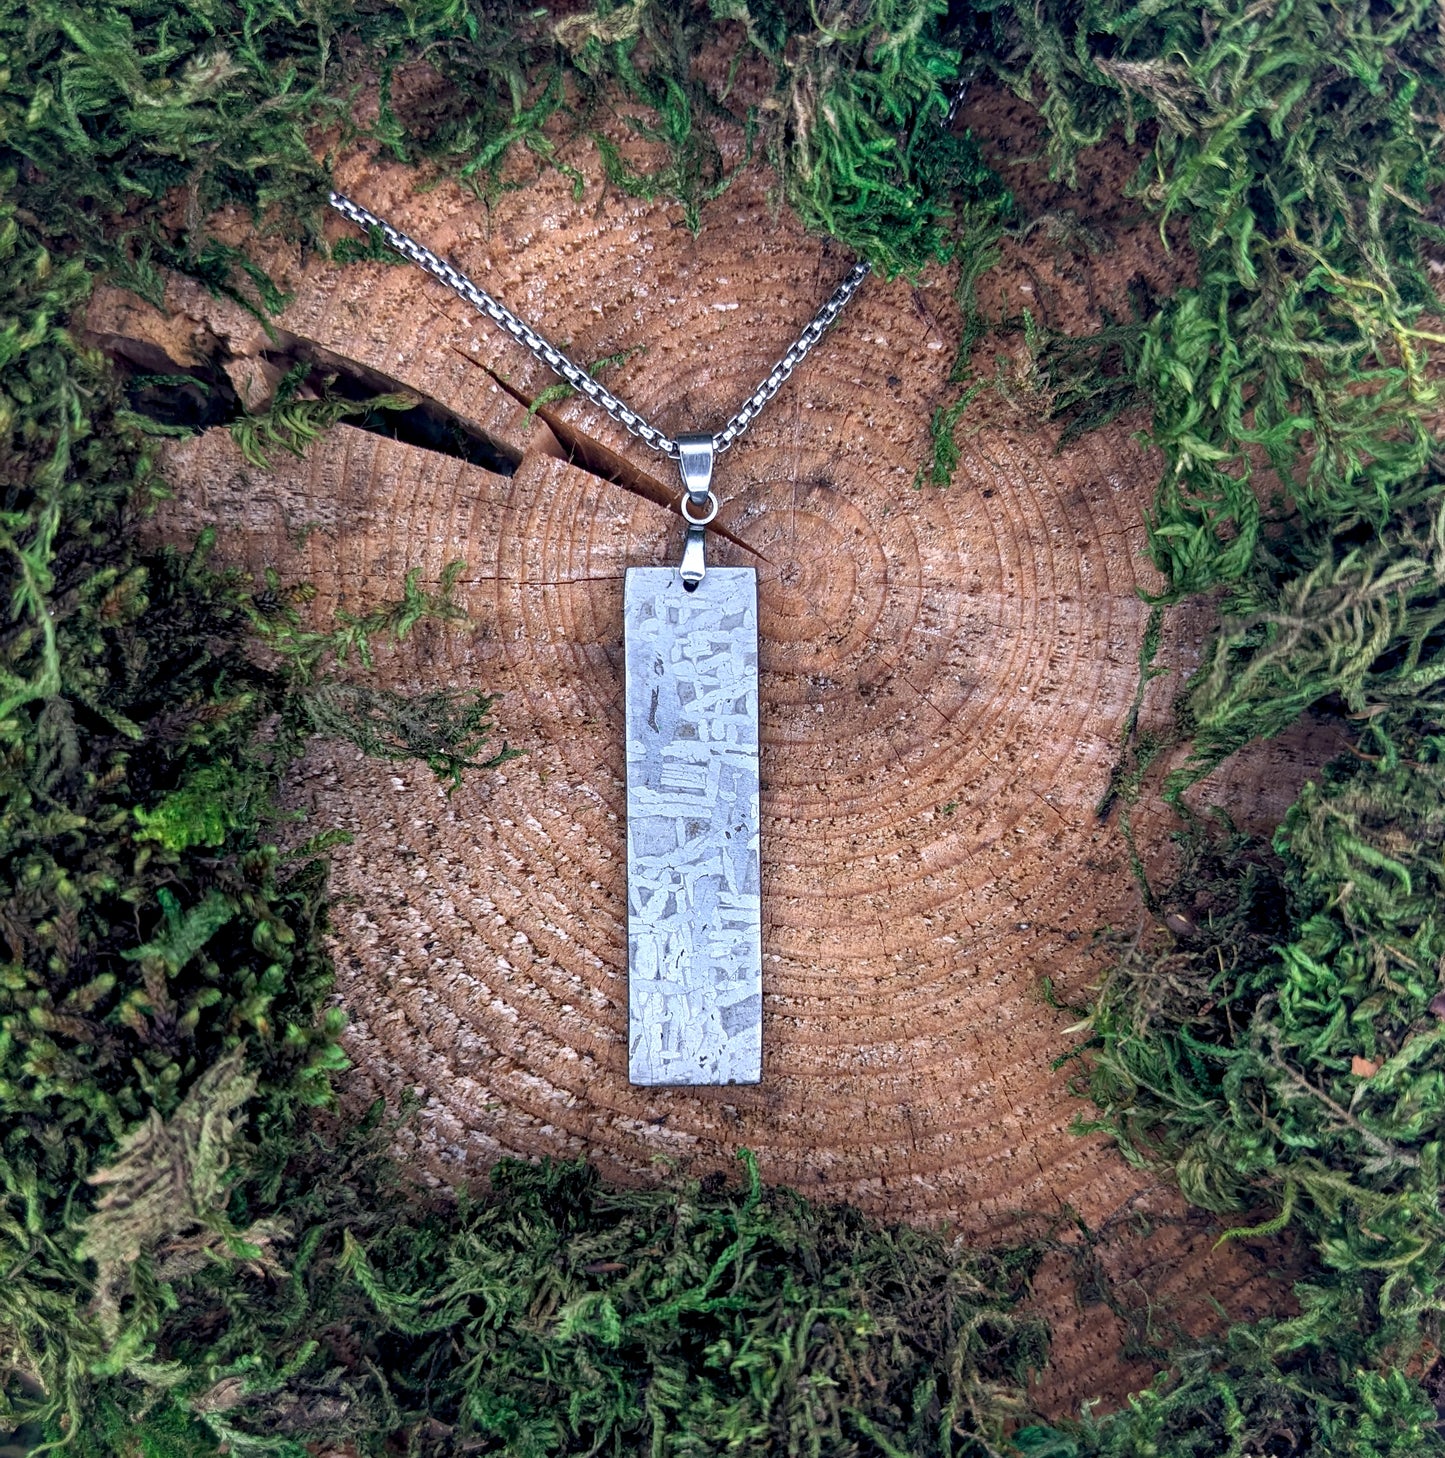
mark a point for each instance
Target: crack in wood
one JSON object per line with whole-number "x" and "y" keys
{"x": 456, "y": 435}
{"x": 598, "y": 460}
{"x": 160, "y": 388}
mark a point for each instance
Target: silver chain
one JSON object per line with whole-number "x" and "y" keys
{"x": 574, "y": 374}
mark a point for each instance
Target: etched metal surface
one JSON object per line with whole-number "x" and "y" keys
{"x": 694, "y": 948}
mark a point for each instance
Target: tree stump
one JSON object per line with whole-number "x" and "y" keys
{"x": 946, "y": 675}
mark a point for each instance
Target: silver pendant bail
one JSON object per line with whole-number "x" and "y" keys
{"x": 699, "y": 504}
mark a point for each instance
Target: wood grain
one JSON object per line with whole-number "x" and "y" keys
{"x": 945, "y": 680}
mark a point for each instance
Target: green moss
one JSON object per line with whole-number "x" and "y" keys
{"x": 1287, "y": 394}
{"x": 162, "y": 996}
{"x": 850, "y": 121}
{"x": 1275, "y": 1044}
{"x": 1300, "y": 143}
{"x": 556, "y": 1316}
{"x": 291, "y": 424}
{"x": 204, "y": 810}
{"x": 200, "y": 1256}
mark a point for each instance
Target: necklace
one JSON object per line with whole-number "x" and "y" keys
{"x": 690, "y": 634}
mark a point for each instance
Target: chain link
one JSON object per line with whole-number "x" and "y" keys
{"x": 797, "y": 353}
{"x": 573, "y": 373}
{"x": 499, "y": 314}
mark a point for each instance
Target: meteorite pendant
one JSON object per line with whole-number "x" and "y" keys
{"x": 694, "y": 947}
{"x": 694, "y": 914}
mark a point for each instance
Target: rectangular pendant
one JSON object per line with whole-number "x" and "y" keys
{"x": 694, "y": 908}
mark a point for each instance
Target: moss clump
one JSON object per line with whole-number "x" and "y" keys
{"x": 555, "y": 1316}
{"x": 164, "y": 969}
{"x": 1274, "y": 1040}
{"x": 1301, "y": 144}
{"x": 134, "y": 123}
{"x": 1275, "y": 1043}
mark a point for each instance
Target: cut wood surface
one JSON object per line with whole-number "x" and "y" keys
{"x": 946, "y": 676}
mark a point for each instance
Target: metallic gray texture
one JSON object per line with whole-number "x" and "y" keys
{"x": 694, "y": 910}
